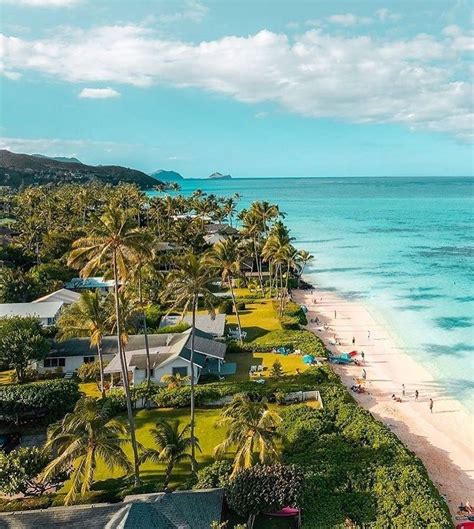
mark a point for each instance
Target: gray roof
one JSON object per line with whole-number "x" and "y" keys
{"x": 177, "y": 345}
{"x": 222, "y": 228}
{"x": 63, "y": 294}
{"x": 214, "y": 325}
{"x": 177, "y": 510}
{"x": 48, "y": 309}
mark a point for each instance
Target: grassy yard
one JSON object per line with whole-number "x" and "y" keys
{"x": 258, "y": 319}
{"x": 5, "y": 377}
{"x": 209, "y": 436}
{"x": 289, "y": 364}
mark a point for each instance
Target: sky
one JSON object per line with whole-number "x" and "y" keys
{"x": 254, "y": 88}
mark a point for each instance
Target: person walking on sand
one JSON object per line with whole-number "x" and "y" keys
{"x": 362, "y": 354}
{"x": 431, "y": 405}
{"x": 368, "y": 335}
{"x": 416, "y": 394}
{"x": 335, "y": 315}
{"x": 364, "y": 374}
{"x": 353, "y": 340}
{"x": 403, "y": 389}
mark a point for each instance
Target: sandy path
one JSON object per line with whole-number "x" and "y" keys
{"x": 444, "y": 440}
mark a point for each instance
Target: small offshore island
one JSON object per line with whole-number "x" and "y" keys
{"x": 219, "y": 176}
{"x": 169, "y": 343}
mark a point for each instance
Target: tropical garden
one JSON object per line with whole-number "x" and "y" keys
{"x": 336, "y": 462}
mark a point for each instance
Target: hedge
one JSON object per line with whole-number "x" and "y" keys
{"x": 356, "y": 468}
{"x": 301, "y": 339}
{"x": 50, "y": 399}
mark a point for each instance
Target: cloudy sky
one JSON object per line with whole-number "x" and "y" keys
{"x": 247, "y": 87}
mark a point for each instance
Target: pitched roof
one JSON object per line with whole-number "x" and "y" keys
{"x": 214, "y": 325}
{"x": 48, "y": 309}
{"x": 63, "y": 294}
{"x": 177, "y": 510}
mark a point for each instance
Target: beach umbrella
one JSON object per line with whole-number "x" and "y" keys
{"x": 308, "y": 359}
{"x": 353, "y": 353}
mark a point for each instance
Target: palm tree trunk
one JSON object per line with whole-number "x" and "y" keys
{"x": 193, "y": 443}
{"x": 236, "y": 310}
{"x": 123, "y": 363}
{"x": 145, "y": 330}
{"x": 259, "y": 272}
{"x": 169, "y": 469}
{"x": 101, "y": 369}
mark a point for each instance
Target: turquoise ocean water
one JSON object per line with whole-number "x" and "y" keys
{"x": 404, "y": 246}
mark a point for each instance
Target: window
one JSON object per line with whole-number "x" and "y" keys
{"x": 50, "y": 321}
{"x": 183, "y": 371}
{"x": 54, "y": 362}
{"x": 88, "y": 359}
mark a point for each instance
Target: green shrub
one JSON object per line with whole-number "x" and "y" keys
{"x": 215, "y": 475}
{"x": 289, "y": 322}
{"x": 153, "y": 315}
{"x": 89, "y": 372}
{"x": 240, "y": 305}
{"x": 26, "y": 504}
{"x": 264, "y": 488}
{"x": 168, "y": 329}
{"x": 51, "y": 398}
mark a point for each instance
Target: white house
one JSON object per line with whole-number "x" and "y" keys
{"x": 169, "y": 354}
{"x": 68, "y": 297}
{"x": 172, "y": 357}
{"x": 47, "y": 312}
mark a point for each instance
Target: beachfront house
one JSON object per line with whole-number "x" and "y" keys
{"x": 218, "y": 232}
{"x": 208, "y": 323}
{"x": 46, "y": 312}
{"x": 170, "y": 355}
{"x": 90, "y": 283}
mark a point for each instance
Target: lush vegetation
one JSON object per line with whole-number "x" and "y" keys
{"x": 48, "y": 400}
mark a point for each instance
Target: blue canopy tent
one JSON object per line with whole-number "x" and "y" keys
{"x": 308, "y": 359}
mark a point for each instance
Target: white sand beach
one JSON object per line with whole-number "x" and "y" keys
{"x": 444, "y": 439}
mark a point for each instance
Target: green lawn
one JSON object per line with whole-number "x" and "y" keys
{"x": 258, "y": 319}
{"x": 5, "y": 377}
{"x": 209, "y": 436}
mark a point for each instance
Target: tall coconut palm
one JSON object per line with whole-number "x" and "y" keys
{"x": 251, "y": 428}
{"x": 113, "y": 245}
{"x": 87, "y": 317}
{"x": 173, "y": 446}
{"x": 303, "y": 257}
{"x": 225, "y": 257}
{"x": 83, "y": 436}
{"x": 188, "y": 284}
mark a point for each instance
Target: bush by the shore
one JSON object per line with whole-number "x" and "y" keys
{"x": 355, "y": 468}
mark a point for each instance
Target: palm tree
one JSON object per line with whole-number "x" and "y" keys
{"x": 225, "y": 256}
{"x": 114, "y": 244}
{"x": 86, "y": 317}
{"x": 188, "y": 284}
{"x": 251, "y": 427}
{"x": 302, "y": 258}
{"x": 173, "y": 446}
{"x": 83, "y": 436}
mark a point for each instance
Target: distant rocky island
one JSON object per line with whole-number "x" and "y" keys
{"x": 24, "y": 170}
{"x": 219, "y": 176}
{"x": 167, "y": 176}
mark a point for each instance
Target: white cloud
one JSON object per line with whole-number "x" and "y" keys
{"x": 349, "y": 19}
{"x": 42, "y": 3}
{"x": 385, "y": 15}
{"x": 193, "y": 11}
{"x": 358, "y": 79}
{"x": 98, "y": 93}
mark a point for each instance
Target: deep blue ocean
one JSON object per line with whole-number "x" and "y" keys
{"x": 404, "y": 246}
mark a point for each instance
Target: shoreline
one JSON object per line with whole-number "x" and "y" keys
{"x": 444, "y": 439}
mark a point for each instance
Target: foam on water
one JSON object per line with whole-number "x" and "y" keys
{"x": 403, "y": 245}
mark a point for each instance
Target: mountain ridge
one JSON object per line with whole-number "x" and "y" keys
{"x": 18, "y": 169}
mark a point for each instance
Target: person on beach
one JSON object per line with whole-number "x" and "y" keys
{"x": 364, "y": 374}
{"x": 353, "y": 340}
{"x": 368, "y": 335}
{"x": 335, "y": 315}
{"x": 362, "y": 354}
{"x": 416, "y": 394}
{"x": 403, "y": 389}
{"x": 431, "y": 405}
